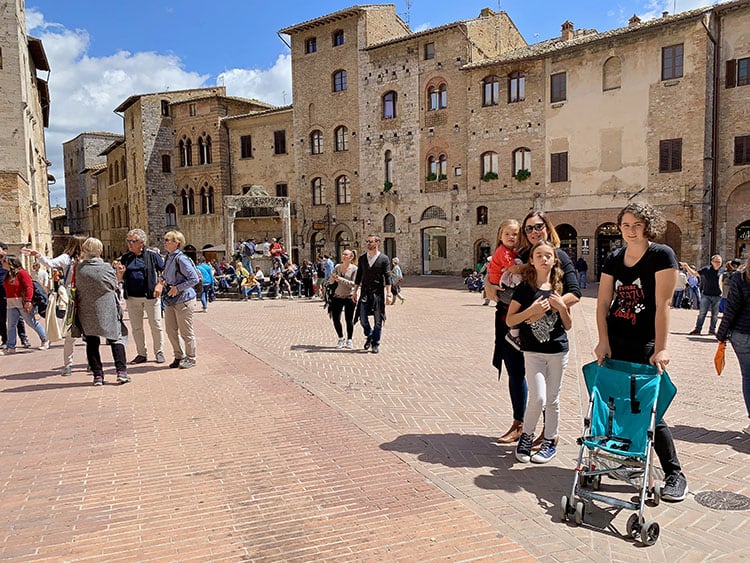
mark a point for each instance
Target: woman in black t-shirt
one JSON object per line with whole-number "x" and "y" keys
{"x": 632, "y": 315}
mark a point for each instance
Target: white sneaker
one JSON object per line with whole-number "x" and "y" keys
{"x": 341, "y": 343}
{"x": 45, "y": 345}
{"x": 349, "y": 344}
{"x": 746, "y": 429}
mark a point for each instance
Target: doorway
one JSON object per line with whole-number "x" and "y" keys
{"x": 434, "y": 251}
{"x": 608, "y": 239}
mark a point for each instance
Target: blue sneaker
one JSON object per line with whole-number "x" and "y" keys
{"x": 546, "y": 451}
{"x": 523, "y": 449}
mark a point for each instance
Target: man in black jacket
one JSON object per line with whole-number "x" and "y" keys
{"x": 139, "y": 270}
{"x": 374, "y": 278}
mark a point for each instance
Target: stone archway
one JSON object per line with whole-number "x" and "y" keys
{"x": 256, "y": 197}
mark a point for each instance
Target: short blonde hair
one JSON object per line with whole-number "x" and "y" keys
{"x": 176, "y": 236}
{"x": 92, "y": 248}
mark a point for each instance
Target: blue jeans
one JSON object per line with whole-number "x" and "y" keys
{"x": 15, "y": 313}
{"x": 582, "y": 280}
{"x": 677, "y": 298}
{"x": 741, "y": 345}
{"x": 708, "y": 302}
{"x": 694, "y": 294}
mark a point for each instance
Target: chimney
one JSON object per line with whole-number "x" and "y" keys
{"x": 664, "y": 14}
{"x": 567, "y": 30}
{"x": 634, "y": 21}
{"x": 486, "y": 13}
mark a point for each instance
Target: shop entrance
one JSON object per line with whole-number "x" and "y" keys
{"x": 608, "y": 239}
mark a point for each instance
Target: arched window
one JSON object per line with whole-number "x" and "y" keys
{"x": 112, "y": 221}
{"x": 316, "y": 142}
{"x": 211, "y": 199}
{"x": 204, "y": 201}
{"x": 433, "y": 212}
{"x": 188, "y": 202}
{"x": 432, "y": 168}
{"x": 189, "y": 152}
{"x": 111, "y": 171}
{"x": 122, "y": 167}
{"x": 119, "y": 216}
{"x": 389, "y": 223}
{"x": 481, "y": 215}
{"x": 339, "y": 80}
{"x": 516, "y": 87}
{"x": 170, "y": 216}
{"x": 442, "y": 167}
{"x": 341, "y": 138}
{"x": 117, "y": 172}
{"x": 432, "y": 98}
{"x": 388, "y": 162}
{"x": 443, "y": 96}
{"x": 489, "y": 164}
{"x": 521, "y": 160}
{"x": 343, "y": 190}
{"x": 389, "y": 105}
{"x": 201, "y": 154}
{"x": 316, "y": 187}
{"x": 191, "y": 201}
{"x": 204, "y": 150}
{"x": 490, "y": 91}
{"x": 183, "y": 154}
{"x": 612, "y": 73}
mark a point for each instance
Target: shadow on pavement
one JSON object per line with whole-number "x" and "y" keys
{"x": 52, "y": 386}
{"x": 451, "y": 450}
{"x": 737, "y": 440}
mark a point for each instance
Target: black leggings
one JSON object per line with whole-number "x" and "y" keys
{"x": 95, "y": 360}
{"x": 348, "y": 306}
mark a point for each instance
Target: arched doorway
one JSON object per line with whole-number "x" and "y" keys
{"x": 742, "y": 241}
{"x": 190, "y": 251}
{"x": 672, "y": 237}
{"x": 608, "y": 238}
{"x": 317, "y": 242}
{"x": 434, "y": 250}
{"x": 568, "y": 240}
{"x": 482, "y": 251}
{"x": 343, "y": 242}
{"x": 389, "y": 247}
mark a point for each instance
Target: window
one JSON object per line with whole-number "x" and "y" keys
{"x": 432, "y": 167}
{"x": 738, "y": 72}
{"x": 339, "y": 81}
{"x": 481, "y": 215}
{"x": 311, "y": 45}
{"x": 341, "y": 138}
{"x": 124, "y": 168}
{"x": 442, "y": 167}
{"x": 170, "y": 216}
{"x": 389, "y": 105}
{"x": 338, "y": 37}
{"x": 186, "y": 152}
{"x": 279, "y": 142}
{"x": 192, "y": 110}
{"x": 443, "y": 90}
{"x": 671, "y": 62}
{"x": 188, "y": 198}
{"x": 521, "y": 160}
{"x": 670, "y": 155}
{"x": 165, "y": 108}
{"x": 282, "y": 190}
{"x": 388, "y": 161}
{"x": 490, "y": 91}
{"x": 343, "y": 190}
{"x": 246, "y": 146}
{"x": 204, "y": 150}
{"x": 558, "y": 87}
{"x": 489, "y": 165}
{"x": 559, "y": 167}
{"x": 117, "y": 172}
{"x": 516, "y": 87}
{"x": 429, "y": 51}
{"x": 204, "y": 201}
{"x": 389, "y": 223}
{"x": 316, "y": 142}
{"x": 316, "y": 186}
{"x": 437, "y": 97}
{"x": 166, "y": 163}
{"x": 611, "y": 73}
{"x": 742, "y": 149}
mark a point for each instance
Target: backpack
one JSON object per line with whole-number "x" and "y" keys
{"x": 198, "y": 287}
{"x": 40, "y": 299}
{"x": 248, "y": 248}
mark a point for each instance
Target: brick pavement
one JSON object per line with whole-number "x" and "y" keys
{"x": 296, "y": 456}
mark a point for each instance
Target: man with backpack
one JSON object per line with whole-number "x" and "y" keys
{"x": 138, "y": 270}
{"x": 248, "y": 249}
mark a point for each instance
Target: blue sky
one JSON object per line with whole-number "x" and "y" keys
{"x": 102, "y": 53}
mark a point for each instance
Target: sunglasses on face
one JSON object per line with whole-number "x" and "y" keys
{"x": 371, "y": 241}
{"x": 535, "y": 227}
{"x": 134, "y": 241}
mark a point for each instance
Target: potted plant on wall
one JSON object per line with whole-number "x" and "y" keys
{"x": 387, "y": 186}
{"x": 522, "y": 174}
{"x": 431, "y": 177}
{"x": 489, "y": 176}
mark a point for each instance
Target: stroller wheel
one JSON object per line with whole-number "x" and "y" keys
{"x": 579, "y": 513}
{"x": 633, "y": 526}
{"x": 650, "y": 532}
{"x": 657, "y": 494}
{"x": 564, "y": 506}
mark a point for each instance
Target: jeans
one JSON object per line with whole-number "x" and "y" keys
{"x": 16, "y": 313}
{"x": 741, "y": 345}
{"x": 708, "y": 302}
{"x": 582, "y": 280}
{"x": 95, "y": 360}
{"x": 373, "y": 333}
{"x": 137, "y": 307}
{"x": 514, "y": 365}
{"x": 347, "y": 306}
{"x": 694, "y": 294}
{"x": 544, "y": 373}
{"x": 677, "y": 298}
{"x": 248, "y": 291}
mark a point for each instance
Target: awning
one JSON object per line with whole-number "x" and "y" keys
{"x": 217, "y": 248}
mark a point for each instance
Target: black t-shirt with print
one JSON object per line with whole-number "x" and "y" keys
{"x": 547, "y": 335}
{"x": 632, "y": 314}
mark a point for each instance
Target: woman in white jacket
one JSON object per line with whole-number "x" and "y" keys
{"x": 65, "y": 262}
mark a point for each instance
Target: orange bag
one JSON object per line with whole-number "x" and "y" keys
{"x": 719, "y": 360}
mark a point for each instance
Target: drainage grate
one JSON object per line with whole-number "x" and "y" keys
{"x": 723, "y": 500}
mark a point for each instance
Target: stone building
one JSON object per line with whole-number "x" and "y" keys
{"x": 24, "y": 113}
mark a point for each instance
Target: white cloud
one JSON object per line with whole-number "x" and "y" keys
{"x": 273, "y": 85}
{"x": 655, "y": 8}
{"x": 85, "y": 90}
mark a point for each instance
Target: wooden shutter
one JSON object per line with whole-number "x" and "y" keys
{"x": 731, "y": 77}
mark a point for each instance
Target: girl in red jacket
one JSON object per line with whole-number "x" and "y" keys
{"x": 18, "y": 291}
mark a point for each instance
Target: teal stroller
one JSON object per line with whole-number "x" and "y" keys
{"x": 626, "y": 401}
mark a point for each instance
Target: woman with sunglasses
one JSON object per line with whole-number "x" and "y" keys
{"x": 535, "y": 227}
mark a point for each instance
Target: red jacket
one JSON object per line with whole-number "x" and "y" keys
{"x": 23, "y": 287}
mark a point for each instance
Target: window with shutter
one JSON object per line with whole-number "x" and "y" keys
{"x": 742, "y": 150}
{"x": 559, "y": 167}
{"x": 670, "y": 155}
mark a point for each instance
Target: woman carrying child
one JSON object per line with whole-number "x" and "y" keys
{"x": 545, "y": 347}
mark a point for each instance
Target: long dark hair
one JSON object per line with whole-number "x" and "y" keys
{"x": 74, "y": 246}
{"x": 553, "y": 237}
{"x": 14, "y": 264}
{"x": 555, "y": 275}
